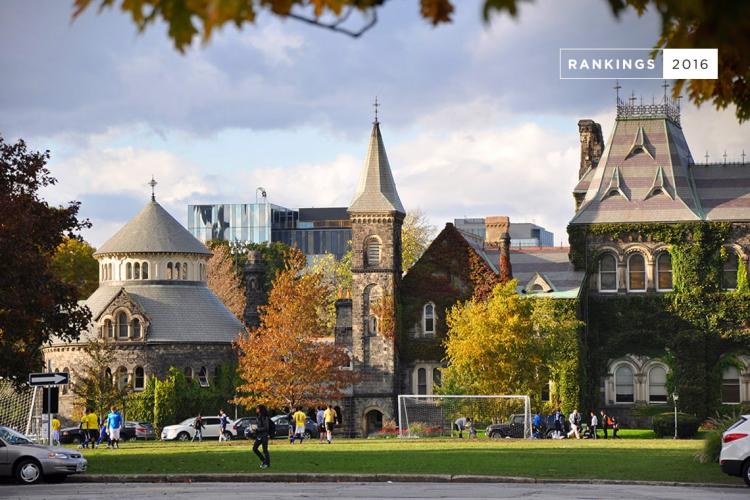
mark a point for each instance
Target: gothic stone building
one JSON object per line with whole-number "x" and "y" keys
{"x": 154, "y": 306}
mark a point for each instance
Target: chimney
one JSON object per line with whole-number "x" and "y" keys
{"x": 498, "y": 235}
{"x": 592, "y": 145}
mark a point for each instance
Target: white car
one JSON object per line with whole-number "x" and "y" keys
{"x": 185, "y": 430}
{"x": 735, "y": 449}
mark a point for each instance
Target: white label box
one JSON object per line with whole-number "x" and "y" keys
{"x": 692, "y": 64}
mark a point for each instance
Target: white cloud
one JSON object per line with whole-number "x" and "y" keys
{"x": 276, "y": 45}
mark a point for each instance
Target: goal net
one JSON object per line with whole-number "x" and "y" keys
{"x": 18, "y": 407}
{"x": 444, "y": 415}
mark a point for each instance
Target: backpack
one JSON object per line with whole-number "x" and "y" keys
{"x": 271, "y": 427}
{"x": 610, "y": 421}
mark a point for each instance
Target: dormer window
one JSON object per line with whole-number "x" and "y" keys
{"x": 136, "y": 328}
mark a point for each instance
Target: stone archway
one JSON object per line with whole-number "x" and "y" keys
{"x": 373, "y": 421}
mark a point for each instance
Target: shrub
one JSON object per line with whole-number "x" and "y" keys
{"x": 687, "y": 425}
{"x": 417, "y": 429}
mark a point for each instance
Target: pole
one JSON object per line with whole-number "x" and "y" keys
{"x": 675, "y": 418}
{"x": 400, "y": 428}
{"x": 49, "y": 406}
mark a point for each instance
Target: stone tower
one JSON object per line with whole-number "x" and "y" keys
{"x": 592, "y": 145}
{"x": 254, "y": 274}
{"x": 377, "y": 215}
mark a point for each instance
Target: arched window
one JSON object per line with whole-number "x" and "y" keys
{"x": 624, "y": 384}
{"x": 372, "y": 298}
{"x": 65, "y": 386}
{"x": 122, "y": 326}
{"x": 184, "y": 270}
{"x": 537, "y": 288}
{"x": 607, "y": 273}
{"x": 177, "y": 271}
{"x": 128, "y": 271}
{"x": 111, "y": 276}
{"x": 730, "y": 385}
{"x": 664, "y": 271}
{"x": 657, "y": 385}
{"x": 421, "y": 381}
{"x": 372, "y": 324}
{"x": 122, "y": 378}
{"x": 437, "y": 377}
{"x": 136, "y": 328}
{"x": 144, "y": 270}
{"x": 203, "y": 377}
{"x": 636, "y": 273}
{"x": 108, "y": 374}
{"x": 137, "y": 271}
{"x": 109, "y": 329}
{"x": 428, "y": 319}
{"x": 169, "y": 270}
{"x": 188, "y": 373}
{"x": 729, "y": 271}
{"x": 253, "y": 282}
{"x": 139, "y": 379}
{"x": 372, "y": 252}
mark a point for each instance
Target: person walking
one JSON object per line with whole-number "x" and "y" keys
{"x": 299, "y": 425}
{"x": 593, "y": 423}
{"x": 558, "y": 421}
{"x": 470, "y": 427}
{"x": 575, "y": 423}
{"x": 55, "y": 431}
{"x": 223, "y": 421}
{"x": 605, "y": 422}
{"x": 103, "y": 435}
{"x": 89, "y": 423}
{"x": 460, "y": 425}
{"x": 320, "y": 421}
{"x": 262, "y": 431}
{"x": 615, "y": 427}
{"x": 330, "y": 419}
{"x": 114, "y": 424}
{"x": 198, "y": 426}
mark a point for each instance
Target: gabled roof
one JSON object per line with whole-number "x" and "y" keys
{"x": 376, "y": 191}
{"x": 153, "y": 230}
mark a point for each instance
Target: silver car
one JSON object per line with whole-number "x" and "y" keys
{"x": 29, "y": 462}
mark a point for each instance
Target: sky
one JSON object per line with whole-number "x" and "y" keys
{"x": 475, "y": 119}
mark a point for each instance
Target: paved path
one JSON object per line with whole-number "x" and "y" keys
{"x": 215, "y": 491}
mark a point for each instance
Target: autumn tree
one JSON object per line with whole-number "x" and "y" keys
{"x": 92, "y": 383}
{"x": 286, "y": 361}
{"x": 224, "y": 280}
{"x": 416, "y": 235}
{"x": 721, "y": 24}
{"x": 74, "y": 263}
{"x": 35, "y": 303}
{"x": 336, "y": 277}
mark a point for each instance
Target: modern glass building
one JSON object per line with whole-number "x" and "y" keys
{"x": 522, "y": 234}
{"x": 244, "y": 222}
{"x": 315, "y": 231}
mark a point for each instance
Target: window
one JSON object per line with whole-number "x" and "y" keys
{"x": 730, "y": 385}
{"x": 184, "y": 270}
{"x": 217, "y": 370}
{"x": 636, "y": 272}
{"x": 203, "y": 377}
{"x": 372, "y": 324}
{"x": 624, "y": 385}
{"x": 122, "y": 326}
{"x": 65, "y": 386}
{"x": 372, "y": 252}
{"x": 169, "y": 270}
{"x": 421, "y": 381}
{"x": 108, "y": 374}
{"x": 144, "y": 269}
{"x": 437, "y": 377}
{"x": 188, "y": 373}
{"x": 607, "y": 273}
{"x": 729, "y": 271}
{"x": 122, "y": 378}
{"x": 139, "y": 379}
{"x": 657, "y": 385}
{"x": 136, "y": 328}
{"x": 129, "y": 271}
{"x": 137, "y": 271}
{"x": 111, "y": 276}
{"x": 177, "y": 271}
{"x": 664, "y": 271}
{"x": 109, "y": 329}
{"x": 428, "y": 319}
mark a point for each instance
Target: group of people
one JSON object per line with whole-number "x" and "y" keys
{"x": 108, "y": 427}
{"x": 577, "y": 428}
{"x": 465, "y": 424}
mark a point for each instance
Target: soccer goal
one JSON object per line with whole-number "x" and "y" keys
{"x": 433, "y": 415}
{"x": 17, "y": 407}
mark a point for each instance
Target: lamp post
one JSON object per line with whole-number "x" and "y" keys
{"x": 675, "y": 397}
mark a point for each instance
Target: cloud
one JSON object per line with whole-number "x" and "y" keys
{"x": 274, "y": 44}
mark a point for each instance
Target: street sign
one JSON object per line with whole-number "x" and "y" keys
{"x": 58, "y": 378}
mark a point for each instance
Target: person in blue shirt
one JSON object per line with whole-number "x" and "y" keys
{"x": 114, "y": 424}
{"x": 536, "y": 425}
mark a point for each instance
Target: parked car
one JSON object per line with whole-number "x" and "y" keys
{"x": 241, "y": 424}
{"x": 132, "y": 431}
{"x": 74, "y": 435}
{"x": 735, "y": 449}
{"x": 185, "y": 430}
{"x": 512, "y": 429}
{"x": 282, "y": 428}
{"x": 29, "y": 462}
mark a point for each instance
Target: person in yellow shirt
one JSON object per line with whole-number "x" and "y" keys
{"x": 55, "y": 431}
{"x": 89, "y": 424}
{"x": 330, "y": 418}
{"x": 299, "y": 418}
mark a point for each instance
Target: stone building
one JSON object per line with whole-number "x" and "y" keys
{"x": 154, "y": 306}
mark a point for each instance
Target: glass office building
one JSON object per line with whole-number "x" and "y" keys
{"x": 315, "y": 231}
{"x": 245, "y": 222}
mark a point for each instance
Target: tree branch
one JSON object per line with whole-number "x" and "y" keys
{"x": 335, "y": 26}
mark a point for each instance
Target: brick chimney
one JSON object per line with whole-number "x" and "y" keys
{"x": 592, "y": 145}
{"x": 498, "y": 235}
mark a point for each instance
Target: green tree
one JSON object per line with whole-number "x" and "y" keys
{"x": 721, "y": 24}
{"x": 416, "y": 235}
{"x": 93, "y": 385}
{"x": 74, "y": 264}
{"x": 35, "y": 303}
{"x": 336, "y": 277}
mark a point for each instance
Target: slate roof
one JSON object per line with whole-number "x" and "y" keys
{"x": 153, "y": 230}
{"x": 724, "y": 190}
{"x": 186, "y": 312}
{"x": 376, "y": 192}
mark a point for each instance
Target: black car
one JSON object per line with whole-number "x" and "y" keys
{"x": 242, "y": 424}
{"x": 282, "y": 428}
{"x": 513, "y": 429}
{"x": 74, "y": 435}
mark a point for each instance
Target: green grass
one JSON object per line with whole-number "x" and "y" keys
{"x": 626, "y": 459}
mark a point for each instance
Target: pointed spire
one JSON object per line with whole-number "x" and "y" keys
{"x": 376, "y": 191}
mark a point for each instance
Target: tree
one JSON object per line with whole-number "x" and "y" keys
{"x": 286, "y": 361}
{"x": 416, "y": 235}
{"x": 336, "y": 277}
{"x": 92, "y": 384}
{"x": 721, "y": 24}
{"x": 74, "y": 264}
{"x": 225, "y": 282}
{"x": 34, "y": 302}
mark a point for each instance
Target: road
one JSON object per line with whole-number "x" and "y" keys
{"x": 363, "y": 490}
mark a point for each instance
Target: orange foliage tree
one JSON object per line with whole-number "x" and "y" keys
{"x": 286, "y": 361}
{"x": 224, "y": 282}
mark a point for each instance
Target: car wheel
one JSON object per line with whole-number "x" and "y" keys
{"x": 495, "y": 435}
{"x": 228, "y": 436}
{"x": 308, "y": 435}
{"x": 55, "y": 478}
{"x": 76, "y": 440}
{"x": 28, "y": 471}
{"x": 183, "y": 436}
{"x": 746, "y": 472}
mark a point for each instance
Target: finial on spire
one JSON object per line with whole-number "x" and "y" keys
{"x": 376, "y": 105}
{"x": 706, "y": 157}
{"x": 725, "y": 156}
{"x": 743, "y": 156}
{"x": 153, "y": 184}
{"x": 617, "y": 88}
{"x": 665, "y": 86}
{"x": 632, "y": 98}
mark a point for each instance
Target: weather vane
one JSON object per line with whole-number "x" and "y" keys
{"x": 376, "y": 108}
{"x": 153, "y": 184}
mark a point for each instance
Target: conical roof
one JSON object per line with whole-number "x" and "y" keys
{"x": 153, "y": 230}
{"x": 377, "y": 190}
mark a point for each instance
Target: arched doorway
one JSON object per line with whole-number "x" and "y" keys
{"x": 373, "y": 421}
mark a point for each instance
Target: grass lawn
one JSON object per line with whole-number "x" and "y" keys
{"x": 634, "y": 459}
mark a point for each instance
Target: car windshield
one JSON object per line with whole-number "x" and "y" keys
{"x": 187, "y": 421}
{"x": 13, "y": 437}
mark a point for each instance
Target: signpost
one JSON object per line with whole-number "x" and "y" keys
{"x": 49, "y": 379}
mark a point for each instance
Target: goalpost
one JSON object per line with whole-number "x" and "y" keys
{"x": 422, "y": 415}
